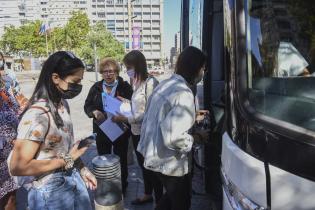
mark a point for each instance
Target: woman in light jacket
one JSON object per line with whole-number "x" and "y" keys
{"x": 165, "y": 139}
{"x": 143, "y": 86}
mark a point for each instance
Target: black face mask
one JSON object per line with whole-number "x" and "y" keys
{"x": 73, "y": 90}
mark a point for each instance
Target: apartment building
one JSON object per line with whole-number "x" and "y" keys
{"x": 147, "y": 24}
{"x": 9, "y": 13}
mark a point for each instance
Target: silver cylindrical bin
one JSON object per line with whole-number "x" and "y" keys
{"x": 108, "y": 195}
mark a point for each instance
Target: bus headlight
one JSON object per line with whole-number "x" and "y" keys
{"x": 238, "y": 200}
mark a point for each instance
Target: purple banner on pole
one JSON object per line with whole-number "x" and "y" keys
{"x": 136, "y": 38}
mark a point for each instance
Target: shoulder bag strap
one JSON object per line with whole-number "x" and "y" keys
{"x": 46, "y": 112}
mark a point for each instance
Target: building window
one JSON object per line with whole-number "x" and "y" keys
{"x": 101, "y": 14}
{"x": 110, "y": 24}
{"x": 109, "y": 1}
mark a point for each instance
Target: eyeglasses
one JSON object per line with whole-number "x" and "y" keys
{"x": 108, "y": 72}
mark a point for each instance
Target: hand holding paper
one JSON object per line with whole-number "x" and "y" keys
{"x": 119, "y": 118}
{"x": 114, "y": 106}
{"x": 111, "y": 129}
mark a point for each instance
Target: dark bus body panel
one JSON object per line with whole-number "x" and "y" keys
{"x": 253, "y": 116}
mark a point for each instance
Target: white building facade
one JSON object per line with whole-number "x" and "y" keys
{"x": 9, "y": 13}
{"x": 147, "y": 24}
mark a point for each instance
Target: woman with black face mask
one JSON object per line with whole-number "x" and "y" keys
{"x": 45, "y": 150}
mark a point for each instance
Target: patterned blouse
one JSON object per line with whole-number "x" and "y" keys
{"x": 38, "y": 125}
{"x": 9, "y": 109}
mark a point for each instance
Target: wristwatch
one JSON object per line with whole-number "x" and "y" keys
{"x": 68, "y": 159}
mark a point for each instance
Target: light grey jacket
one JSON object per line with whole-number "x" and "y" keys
{"x": 139, "y": 102}
{"x": 165, "y": 142}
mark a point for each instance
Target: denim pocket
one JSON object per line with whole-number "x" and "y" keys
{"x": 54, "y": 184}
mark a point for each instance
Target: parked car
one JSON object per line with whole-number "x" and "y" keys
{"x": 156, "y": 71}
{"x": 90, "y": 67}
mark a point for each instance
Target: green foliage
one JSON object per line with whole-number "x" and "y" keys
{"x": 77, "y": 36}
{"x": 76, "y": 30}
{"x": 303, "y": 10}
{"x": 23, "y": 39}
{"x": 106, "y": 45}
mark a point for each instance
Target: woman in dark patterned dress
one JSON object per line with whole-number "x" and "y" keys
{"x": 9, "y": 110}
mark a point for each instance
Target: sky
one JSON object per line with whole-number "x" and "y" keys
{"x": 171, "y": 23}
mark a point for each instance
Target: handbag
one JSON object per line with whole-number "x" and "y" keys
{"x": 26, "y": 181}
{"x": 22, "y": 101}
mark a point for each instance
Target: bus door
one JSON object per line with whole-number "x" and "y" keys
{"x": 202, "y": 27}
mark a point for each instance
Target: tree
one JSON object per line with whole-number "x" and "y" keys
{"x": 106, "y": 44}
{"x": 76, "y": 35}
{"x": 24, "y": 38}
{"x": 75, "y": 31}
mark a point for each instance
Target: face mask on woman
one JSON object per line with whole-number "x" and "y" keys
{"x": 198, "y": 78}
{"x": 73, "y": 90}
{"x": 131, "y": 73}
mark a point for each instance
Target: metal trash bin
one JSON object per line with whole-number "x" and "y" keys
{"x": 108, "y": 195}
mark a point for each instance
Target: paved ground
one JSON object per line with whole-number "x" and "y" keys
{"x": 83, "y": 127}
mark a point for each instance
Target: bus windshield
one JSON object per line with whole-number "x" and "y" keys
{"x": 280, "y": 57}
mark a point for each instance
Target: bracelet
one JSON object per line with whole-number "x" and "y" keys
{"x": 68, "y": 159}
{"x": 84, "y": 171}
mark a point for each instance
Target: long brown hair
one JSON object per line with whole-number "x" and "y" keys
{"x": 136, "y": 58}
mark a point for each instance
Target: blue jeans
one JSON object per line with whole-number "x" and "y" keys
{"x": 63, "y": 191}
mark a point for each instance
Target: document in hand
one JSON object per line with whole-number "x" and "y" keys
{"x": 111, "y": 129}
{"x": 114, "y": 106}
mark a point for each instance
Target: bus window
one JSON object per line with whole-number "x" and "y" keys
{"x": 195, "y": 39}
{"x": 280, "y": 58}
{"x": 195, "y": 23}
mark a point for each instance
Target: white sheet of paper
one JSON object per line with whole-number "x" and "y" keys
{"x": 125, "y": 109}
{"x": 111, "y": 104}
{"x": 111, "y": 129}
{"x": 114, "y": 106}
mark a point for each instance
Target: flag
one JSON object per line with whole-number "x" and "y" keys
{"x": 44, "y": 28}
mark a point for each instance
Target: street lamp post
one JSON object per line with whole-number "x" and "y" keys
{"x": 95, "y": 62}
